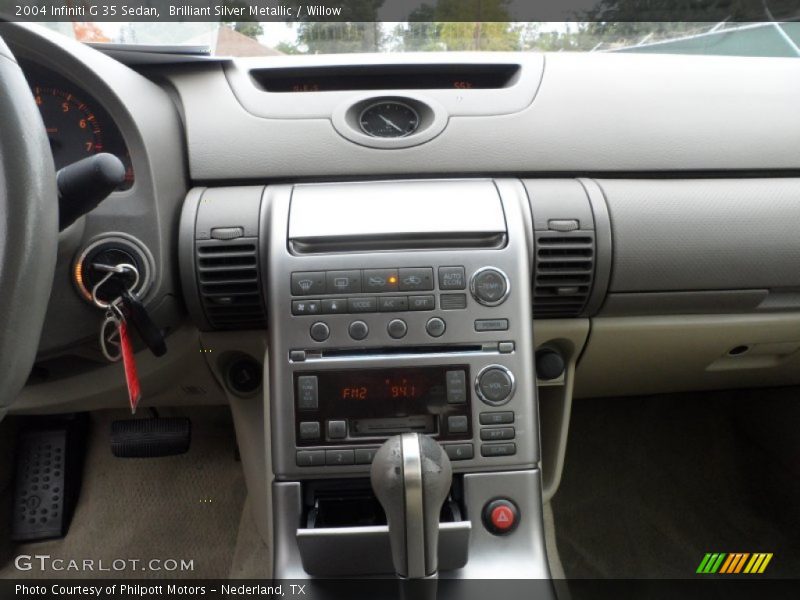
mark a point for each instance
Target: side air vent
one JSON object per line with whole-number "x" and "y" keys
{"x": 229, "y": 284}
{"x": 564, "y": 272}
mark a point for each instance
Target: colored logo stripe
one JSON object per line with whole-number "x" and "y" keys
{"x": 758, "y": 563}
{"x": 734, "y": 563}
{"x": 711, "y": 563}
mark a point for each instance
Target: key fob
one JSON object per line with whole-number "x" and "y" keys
{"x": 149, "y": 332}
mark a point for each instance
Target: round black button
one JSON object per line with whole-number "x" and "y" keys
{"x": 495, "y": 385}
{"x": 320, "y": 331}
{"x": 489, "y": 286}
{"x": 435, "y": 327}
{"x": 397, "y": 328}
{"x": 358, "y": 330}
{"x": 549, "y": 364}
{"x": 244, "y": 375}
{"x": 501, "y": 516}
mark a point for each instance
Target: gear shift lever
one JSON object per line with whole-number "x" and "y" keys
{"x": 411, "y": 477}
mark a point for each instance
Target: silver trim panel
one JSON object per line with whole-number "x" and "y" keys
{"x": 379, "y": 350}
{"x": 414, "y": 506}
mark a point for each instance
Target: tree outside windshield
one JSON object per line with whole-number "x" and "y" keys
{"x": 248, "y": 38}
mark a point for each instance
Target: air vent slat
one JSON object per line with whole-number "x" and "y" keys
{"x": 566, "y": 262}
{"x": 221, "y": 247}
{"x": 238, "y": 281}
{"x": 223, "y": 264}
{"x": 222, "y": 290}
{"x": 229, "y": 283}
{"x": 565, "y": 252}
{"x": 564, "y": 238}
{"x": 557, "y": 277}
{"x": 564, "y": 272}
{"x": 238, "y": 276}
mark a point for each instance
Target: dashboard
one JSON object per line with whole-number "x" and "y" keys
{"x": 627, "y": 164}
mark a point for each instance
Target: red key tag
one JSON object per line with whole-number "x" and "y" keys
{"x": 129, "y": 362}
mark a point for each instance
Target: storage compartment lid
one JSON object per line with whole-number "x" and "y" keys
{"x": 395, "y": 215}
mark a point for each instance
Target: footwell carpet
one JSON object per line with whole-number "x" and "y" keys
{"x": 652, "y": 484}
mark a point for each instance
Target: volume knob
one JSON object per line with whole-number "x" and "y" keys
{"x": 489, "y": 286}
{"x": 495, "y": 385}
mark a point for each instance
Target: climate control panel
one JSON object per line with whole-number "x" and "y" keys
{"x": 395, "y": 290}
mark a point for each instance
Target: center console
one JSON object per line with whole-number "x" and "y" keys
{"x": 397, "y": 314}
{"x": 401, "y": 307}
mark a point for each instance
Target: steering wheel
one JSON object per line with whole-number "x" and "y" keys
{"x": 28, "y": 227}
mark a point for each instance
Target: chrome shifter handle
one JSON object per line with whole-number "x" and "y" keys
{"x": 411, "y": 476}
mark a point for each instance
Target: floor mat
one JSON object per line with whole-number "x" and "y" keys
{"x": 651, "y": 484}
{"x": 179, "y": 508}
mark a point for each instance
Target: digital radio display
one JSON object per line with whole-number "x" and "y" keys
{"x": 409, "y": 385}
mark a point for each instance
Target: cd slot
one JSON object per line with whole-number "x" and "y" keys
{"x": 388, "y": 426}
{"x": 394, "y": 351}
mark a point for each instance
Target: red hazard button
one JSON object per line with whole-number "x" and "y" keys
{"x": 501, "y": 516}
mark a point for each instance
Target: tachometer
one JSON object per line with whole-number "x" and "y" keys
{"x": 77, "y": 125}
{"x": 72, "y": 128}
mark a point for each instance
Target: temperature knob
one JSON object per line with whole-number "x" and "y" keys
{"x": 489, "y": 286}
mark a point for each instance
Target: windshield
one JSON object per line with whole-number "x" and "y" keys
{"x": 248, "y": 38}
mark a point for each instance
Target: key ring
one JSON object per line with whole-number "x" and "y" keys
{"x": 112, "y": 270}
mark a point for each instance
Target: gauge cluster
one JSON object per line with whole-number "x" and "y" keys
{"x": 77, "y": 125}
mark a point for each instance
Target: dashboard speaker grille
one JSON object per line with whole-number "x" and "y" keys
{"x": 229, "y": 283}
{"x": 564, "y": 272}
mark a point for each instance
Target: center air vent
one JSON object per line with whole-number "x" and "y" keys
{"x": 564, "y": 272}
{"x": 228, "y": 281}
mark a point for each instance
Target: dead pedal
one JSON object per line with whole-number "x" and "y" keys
{"x": 150, "y": 438}
{"x": 47, "y": 482}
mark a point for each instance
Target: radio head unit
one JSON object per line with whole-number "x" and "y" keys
{"x": 338, "y": 407}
